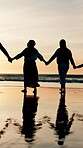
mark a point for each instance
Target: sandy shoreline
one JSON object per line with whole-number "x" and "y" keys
{"x": 32, "y": 123}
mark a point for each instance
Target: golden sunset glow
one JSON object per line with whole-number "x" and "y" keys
{"x": 46, "y": 22}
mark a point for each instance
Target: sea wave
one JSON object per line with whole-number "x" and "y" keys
{"x": 43, "y": 78}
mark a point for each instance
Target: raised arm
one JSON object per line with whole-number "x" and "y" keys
{"x": 5, "y": 52}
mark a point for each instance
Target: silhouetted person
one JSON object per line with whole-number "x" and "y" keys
{"x": 29, "y": 112}
{"x": 64, "y": 56}
{"x": 5, "y": 52}
{"x": 30, "y": 54}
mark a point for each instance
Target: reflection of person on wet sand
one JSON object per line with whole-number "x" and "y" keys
{"x": 5, "y": 53}
{"x": 63, "y": 124}
{"x": 64, "y": 56}
{"x": 29, "y": 112}
{"x": 30, "y": 54}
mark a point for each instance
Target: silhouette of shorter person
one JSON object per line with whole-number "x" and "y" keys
{"x": 5, "y": 52}
{"x": 30, "y": 54}
{"x": 64, "y": 56}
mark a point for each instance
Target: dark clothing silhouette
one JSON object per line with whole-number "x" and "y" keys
{"x": 30, "y": 69}
{"x": 64, "y": 57}
{"x": 30, "y": 74}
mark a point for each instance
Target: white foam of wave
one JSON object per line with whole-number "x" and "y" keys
{"x": 57, "y": 85}
{"x": 42, "y": 84}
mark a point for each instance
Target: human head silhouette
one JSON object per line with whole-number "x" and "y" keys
{"x": 31, "y": 43}
{"x": 62, "y": 43}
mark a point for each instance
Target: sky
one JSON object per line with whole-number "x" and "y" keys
{"x": 46, "y": 22}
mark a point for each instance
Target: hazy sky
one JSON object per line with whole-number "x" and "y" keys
{"x": 45, "y": 21}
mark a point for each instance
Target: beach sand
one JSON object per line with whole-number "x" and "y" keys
{"x": 49, "y": 120}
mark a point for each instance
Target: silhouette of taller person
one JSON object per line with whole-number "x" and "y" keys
{"x": 64, "y": 56}
{"x": 30, "y": 54}
{"x": 5, "y": 52}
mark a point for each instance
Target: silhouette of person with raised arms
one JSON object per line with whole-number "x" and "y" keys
{"x": 64, "y": 56}
{"x": 30, "y": 54}
{"x": 5, "y": 52}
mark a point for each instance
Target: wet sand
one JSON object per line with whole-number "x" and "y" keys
{"x": 49, "y": 120}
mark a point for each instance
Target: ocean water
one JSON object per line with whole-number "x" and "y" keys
{"x": 45, "y": 80}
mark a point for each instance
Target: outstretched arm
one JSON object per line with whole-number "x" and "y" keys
{"x": 51, "y": 59}
{"x": 18, "y": 56}
{"x": 79, "y": 66}
{"x": 5, "y": 52}
{"x": 72, "y": 62}
{"x": 41, "y": 58}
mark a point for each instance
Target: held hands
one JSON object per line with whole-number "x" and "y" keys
{"x": 46, "y": 63}
{"x": 10, "y": 59}
{"x": 74, "y": 66}
{"x": 79, "y": 66}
